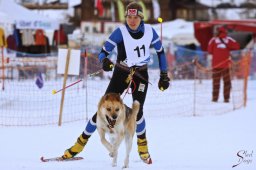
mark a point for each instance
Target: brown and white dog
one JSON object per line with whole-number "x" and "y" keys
{"x": 118, "y": 120}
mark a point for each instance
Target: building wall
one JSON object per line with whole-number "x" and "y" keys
{"x": 168, "y": 8}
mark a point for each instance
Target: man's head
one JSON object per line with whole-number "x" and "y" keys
{"x": 222, "y": 32}
{"x": 134, "y": 15}
{"x": 134, "y": 9}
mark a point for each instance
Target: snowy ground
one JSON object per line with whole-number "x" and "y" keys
{"x": 175, "y": 143}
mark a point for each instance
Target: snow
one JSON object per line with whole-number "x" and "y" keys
{"x": 216, "y": 2}
{"x": 176, "y": 143}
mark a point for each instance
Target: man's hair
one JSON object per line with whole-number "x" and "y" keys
{"x": 221, "y": 32}
{"x": 134, "y": 8}
{"x": 222, "y": 29}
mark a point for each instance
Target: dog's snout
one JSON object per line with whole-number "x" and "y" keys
{"x": 114, "y": 116}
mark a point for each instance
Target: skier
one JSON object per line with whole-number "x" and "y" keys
{"x": 133, "y": 40}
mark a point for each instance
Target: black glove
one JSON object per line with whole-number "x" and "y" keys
{"x": 107, "y": 64}
{"x": 163, "y": 83}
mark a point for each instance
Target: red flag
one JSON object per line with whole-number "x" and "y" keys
{"x": 99, "y": 6}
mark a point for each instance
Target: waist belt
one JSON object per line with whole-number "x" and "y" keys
{"x": 124, "y": 66}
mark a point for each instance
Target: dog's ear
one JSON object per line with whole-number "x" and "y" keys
{"x": 112, "y": 96}
{"x": 106, "y": 97}
{"x": 117, "y": 97}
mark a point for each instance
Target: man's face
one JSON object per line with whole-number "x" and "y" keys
{"x": 133, "y": 21}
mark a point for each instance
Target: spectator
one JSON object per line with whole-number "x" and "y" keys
{"x": 220, "y": 47}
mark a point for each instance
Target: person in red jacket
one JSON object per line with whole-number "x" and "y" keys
{"x": 220, "y": 47}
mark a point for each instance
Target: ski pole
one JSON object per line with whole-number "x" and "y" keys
{"x": 54, "y": 91}
{"x": 95, "y": 73}
{"x": 99, "y": 71}
{"x": 160, "y": 20}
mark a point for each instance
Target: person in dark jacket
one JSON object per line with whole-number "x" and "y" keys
{"x": 133, "y": 40}
{"x": 220, "y": 47}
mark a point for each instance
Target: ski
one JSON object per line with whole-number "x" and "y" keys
{"x": 60, "y": 159}
{"x": 147, "y": 161}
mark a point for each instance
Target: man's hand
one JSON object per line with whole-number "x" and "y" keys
{"x": 107, "y": 64}
{"x": 163, "y": 83}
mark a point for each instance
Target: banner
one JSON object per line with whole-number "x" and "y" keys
{"x": 36, "y": 24}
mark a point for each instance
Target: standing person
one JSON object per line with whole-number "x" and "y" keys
{"x": 133, "y": 40}
{"x": 220, "y": 47}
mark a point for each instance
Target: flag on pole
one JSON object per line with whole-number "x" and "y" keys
{"x": 39, "y": 80}
{"x": 99, "y": 6}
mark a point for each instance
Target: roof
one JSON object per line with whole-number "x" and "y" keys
{"x": 189, "y": 4}
{"x": 26, "y": 19}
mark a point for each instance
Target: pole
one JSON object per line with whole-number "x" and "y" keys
{"x": 160, "y": 20}
{"x": 161, "y": 32}
{"x": 64, "y": 85}
{"x": 247, "y": 65}
{"x": 54, "y": 91}
{"x": 86, "y": 90}
{"x": 195, "y": 79}
{"x": 3, "y": 69}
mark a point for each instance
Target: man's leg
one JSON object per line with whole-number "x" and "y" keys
{"x": 216, "y": 75}
{"x": 227, "y": 84}
{"x": 82, "y": 139}
{"x": 142, "y": 141}
{"x": 139, "y": 94}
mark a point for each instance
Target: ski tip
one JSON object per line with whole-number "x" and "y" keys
{"x": 148, "y": 161}
{"x": 42, "y": 159}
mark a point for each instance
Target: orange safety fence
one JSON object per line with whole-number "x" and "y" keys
{"x": 23, "y": 103}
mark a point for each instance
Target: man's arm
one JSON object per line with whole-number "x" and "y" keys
{"x": 210, "y": 46}
{"x": 115, "y": 38}
{"x": 233, "y": 44}
{"x": 157, "y": 44}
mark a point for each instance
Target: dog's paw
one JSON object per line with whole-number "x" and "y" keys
{"x": 125, "y": 166}
{"x": 114, "y": 164}
{"x": 111, "y": 154}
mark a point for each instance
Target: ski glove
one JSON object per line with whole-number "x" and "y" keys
{"x": 163, "y": 83}
{"x": 107, "y": 64}
{"x": 76, "y": 148}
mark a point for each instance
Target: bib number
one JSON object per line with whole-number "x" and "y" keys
{"x": 139, "y": 49}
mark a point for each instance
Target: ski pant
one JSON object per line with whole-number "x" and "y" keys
{"x": 219, "y": 73}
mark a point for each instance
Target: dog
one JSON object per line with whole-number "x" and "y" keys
{"x": 119, "y": 121}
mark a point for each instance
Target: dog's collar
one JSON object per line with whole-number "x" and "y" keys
{"x": 111, "y": 123}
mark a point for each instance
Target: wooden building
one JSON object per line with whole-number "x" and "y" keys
{"x": 30, "y": 4}
{"x": 169, "y": 9}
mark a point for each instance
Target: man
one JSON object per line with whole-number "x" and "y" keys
{"x": 220, "y": 47}
{"x": 133, "y": 40}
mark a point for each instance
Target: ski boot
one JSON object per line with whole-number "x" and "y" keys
{"x": 76, "y": 148}
{"x": 143, "y": 151}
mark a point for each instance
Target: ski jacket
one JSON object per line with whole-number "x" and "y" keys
{"x": 220, "y": 49}
{"x": 116, "y": 39}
